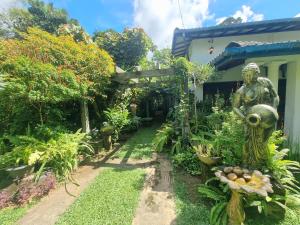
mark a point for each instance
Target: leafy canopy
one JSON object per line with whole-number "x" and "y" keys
{"x": 36, "y": 13}
{"x": 127, "y": 48}
{"x": 91, "y": 65}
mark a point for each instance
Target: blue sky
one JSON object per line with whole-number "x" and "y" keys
{"x": 160, "y": 17}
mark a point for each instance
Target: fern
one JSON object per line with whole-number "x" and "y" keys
{"x": 218, "y": 214}
{"x": 163, "y": 136}
{"x": 211, "y": 193}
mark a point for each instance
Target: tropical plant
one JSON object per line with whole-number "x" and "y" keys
{"x": 229, "y": 140}
{"x": 59, "y": 154}
{"x": 163, "y": 136}
{"x": 117, "y": 117}
{"x": 220, "y": 197}
{"x": 188, "y": 160}
{"x": 282, "y": 169}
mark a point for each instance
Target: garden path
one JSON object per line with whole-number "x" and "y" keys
{"x": 156, "y": 204}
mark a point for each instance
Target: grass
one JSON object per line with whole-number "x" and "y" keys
{"x": 9, "y": 216}
{"x": 110, "y": 200}
{"x": 291, "y": 218}
{"x": 139, "y": 146}
{"x": 190, "y": 210}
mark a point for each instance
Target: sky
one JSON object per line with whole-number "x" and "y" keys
{"x": 159, "y": 18}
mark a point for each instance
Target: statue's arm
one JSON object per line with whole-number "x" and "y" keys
{"x": 236, "y": 104}
{"x": 274, "y": 94}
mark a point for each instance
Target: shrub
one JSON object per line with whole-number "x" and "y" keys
{"x": 29, "y": 190}
{"x": 229, "y": 141}
{"x": 187, "y": 160}
{"x": 163, "y": 136}
{"x": 4, "y": 199}
{"x": 59, "y": 154}
{"x": 117, "y": 117}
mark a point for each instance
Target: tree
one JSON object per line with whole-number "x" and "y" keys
{"x": 45, "y": 16}
{"x": 231, "y": 20}
{"x": 163, "y": 57}
{"x": 127, "y": 48}
{"x": 35, "y": 14}
{"x": 91, "y": 66}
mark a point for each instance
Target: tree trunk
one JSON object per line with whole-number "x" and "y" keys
{"x": 96, "y": 108}
{"x": 85, "y": 116}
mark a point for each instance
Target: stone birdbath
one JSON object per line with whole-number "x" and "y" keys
{"x": 242, "y": 181}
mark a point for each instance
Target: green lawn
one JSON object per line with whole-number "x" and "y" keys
{"x": 139, "y": 146}
{"x": 110, "y": 200}
{"x": 9, "y": 216}
{"x": 291, "y": 218}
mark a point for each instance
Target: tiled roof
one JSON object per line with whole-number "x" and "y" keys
{"x": 183, "y": 37}
{"x": 237, "y": 52}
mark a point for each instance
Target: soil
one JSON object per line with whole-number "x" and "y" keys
{"x": 157, "y": 206}
{"x": 192, "y": 184}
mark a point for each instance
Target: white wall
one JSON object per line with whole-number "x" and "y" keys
{"x": 198, "y": 50}
{"x": 232, "y": 74}
{"x": 292, "y": 108}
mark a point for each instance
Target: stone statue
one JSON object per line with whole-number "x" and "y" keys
{"x": 256, "y": 104}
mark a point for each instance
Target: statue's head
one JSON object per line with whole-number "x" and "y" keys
{"x": 250, "y": 73}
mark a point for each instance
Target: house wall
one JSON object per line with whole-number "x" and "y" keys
{"x": 198, "y": 49}
{"x": 292, "y": 102}
{"x": 292, "y": 109}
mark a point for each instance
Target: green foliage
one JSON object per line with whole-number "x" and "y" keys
{"x": 229, "y": 140}
{"x": 231, "y": 20}
{"x": 127, "y": 48}
{"x": 282, "y": 169}
{"x": 188, "y": 160}
{"x": 163, "y": 136}
{"x": 218, "y": 214}
{"x": 43, "y": 73}
{"x": 35, "y": 13}
{"x": 134, "y": 122}
{"x": 59, "y": 154}
{"x": 75, "y": 31}
{"x": 200, "y": 73}
{"x": 117, "y": 117}
{"x": 163, "y": 58}
{"x": 45, "y": 16}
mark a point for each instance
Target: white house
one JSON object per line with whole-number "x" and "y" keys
{"x": 273, "y": 44}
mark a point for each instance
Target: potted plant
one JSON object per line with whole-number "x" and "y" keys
{"x": 19, "y": 162}
{"x": 206, "y": 154}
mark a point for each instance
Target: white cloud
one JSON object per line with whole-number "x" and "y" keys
{"x": 159, "y": 18}
{"x": 298, "y": 15}
{"x": 7, "y": 4}
{"x": 245, "y": 13}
